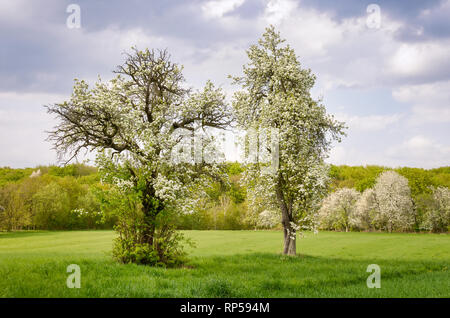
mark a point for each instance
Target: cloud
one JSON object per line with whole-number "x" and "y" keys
{"x": 23, "y": 122}
{"x": 420, "y": 151}
{"x": 421, "y": 62}
{"x": 278, "y": 10}
{"x": 430, "y": 102}
{"x": 218, "y": 8}
{"x": 429, "y": 23}
{"x": 369, "y": 123}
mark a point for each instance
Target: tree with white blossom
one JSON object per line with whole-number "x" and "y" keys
{"x": 268, "y": 219}
{"x": 395, "y": 206}
{"x": 365, "y": 209}
{"x": 275, "y": 96}
{"x": 437, "y": 216}
{"x": 132, "y": 122}
{"x": 338, "y": 209}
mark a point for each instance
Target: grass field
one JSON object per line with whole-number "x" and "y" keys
{"x": 230, "y": 264}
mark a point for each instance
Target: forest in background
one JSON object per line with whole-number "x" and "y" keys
{"x": 73, "y": 197}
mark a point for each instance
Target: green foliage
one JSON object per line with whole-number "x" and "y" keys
{"x": 13, "y": 215}
{"x": 57, "y": 198}
{"x": 165, "y": 248}
{"x": 358, "y": 177}
{"x": 51, "y": 207}
{"x": 144, "y": 238}
{"x": 363, "y": 177}
{"x": 235, "y": 168}
{"x": 12, "y": 175}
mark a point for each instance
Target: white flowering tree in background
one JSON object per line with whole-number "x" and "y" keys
{"x": 276, "y": 96}
{"x": 365, "y": 209}
{"x": 338, "y": 209}
{"x": 131, "y": 121}
{"x": 437, "y": 216}
{"x": 395, "y": 206}
{"x": 268, "y": 219}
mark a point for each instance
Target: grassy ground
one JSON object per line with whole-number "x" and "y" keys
{"x": 230, "y": 264}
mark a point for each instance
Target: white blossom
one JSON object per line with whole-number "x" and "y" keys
{"x": 395, "y": 206}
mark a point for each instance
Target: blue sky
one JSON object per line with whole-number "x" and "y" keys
{"x": 389, "y": 83}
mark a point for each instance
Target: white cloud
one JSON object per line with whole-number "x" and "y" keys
{"x": 436, "y": 92}
{"x": 27, "y": 101}
{"x": 422, "y": 114}
{"x": 23, "y": 122}
{"x": 23, "y": 129}
{"x": 218, "y": 8}
{"x": 421, "y": 151}
{"x": 421, "y": 60}
{"x": 278, "y": 10}
{"x": 370, "y": 122}
{"x": 352, "y": 156}
{"x": 15, "y": 11}
{"x": 430, "y": 102}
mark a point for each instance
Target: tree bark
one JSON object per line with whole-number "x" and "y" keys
{"x": 290, "y": 242}
{"x": 286, "y": 219}
{"x": 151, "y": 208}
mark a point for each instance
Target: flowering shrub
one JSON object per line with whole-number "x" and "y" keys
{"x": 437, "y": 216}
{"x": 268, "y": 219}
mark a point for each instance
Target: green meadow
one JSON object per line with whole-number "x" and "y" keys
{"x": 230, "y": 264}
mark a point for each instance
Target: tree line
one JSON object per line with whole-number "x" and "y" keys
{"x": 73, "y": 197}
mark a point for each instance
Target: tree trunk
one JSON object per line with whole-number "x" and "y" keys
{"x": 151, "y": 208}
{"x": 290, "y": 242}
{"x": 286, "y": 219}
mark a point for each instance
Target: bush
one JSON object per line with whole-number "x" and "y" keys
{"x": 437, "y": 217}
{"x": 164, "y": 245}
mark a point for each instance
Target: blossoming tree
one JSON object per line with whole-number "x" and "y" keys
{"x": 395, "y": 206}
{"x": 338, "y": 209}
{"x": 131, "y": 121}
{"x": 276, "y": 96}
{"x": 437, "y": 216}
{"x": 365, "y": 209}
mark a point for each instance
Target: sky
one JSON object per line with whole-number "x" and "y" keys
{"x": 382, "y": 67}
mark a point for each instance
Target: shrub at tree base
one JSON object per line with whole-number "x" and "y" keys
{"x": 166, "y": 248}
